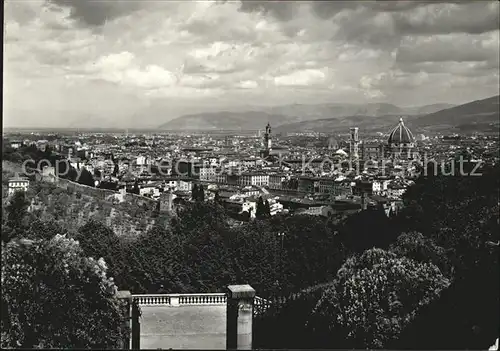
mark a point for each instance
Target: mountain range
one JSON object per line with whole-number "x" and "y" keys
{"x": 283, "y": 115}
{"x": 479, "y": 115}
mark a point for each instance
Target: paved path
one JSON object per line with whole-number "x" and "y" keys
{"x": 183, "y": 327}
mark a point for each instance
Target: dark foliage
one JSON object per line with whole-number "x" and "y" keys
{"x": 54, "y": 297}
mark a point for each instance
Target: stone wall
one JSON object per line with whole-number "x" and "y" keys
{"x": 102, "y": 194}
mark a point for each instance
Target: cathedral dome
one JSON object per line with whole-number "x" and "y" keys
{"x": 400, "y": 135}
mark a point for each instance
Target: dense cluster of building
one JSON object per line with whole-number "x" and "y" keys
{"x": 339, "y": 175}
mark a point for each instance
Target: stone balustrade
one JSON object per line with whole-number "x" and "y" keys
{"x": 181, "y": 299}
{"x": 239, "y": 301}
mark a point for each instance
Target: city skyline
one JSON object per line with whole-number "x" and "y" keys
{"x": 100, "y": 64}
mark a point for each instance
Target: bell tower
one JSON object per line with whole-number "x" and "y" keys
{"x": 354, "y": 143}
{"x": 267, "y": 137}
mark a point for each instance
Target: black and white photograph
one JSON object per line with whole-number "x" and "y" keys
{"x": 249, "y": 174}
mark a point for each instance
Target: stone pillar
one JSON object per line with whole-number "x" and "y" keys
{"x": 126, "y": 297}
{"x": 136, "y": 326}
{"x": 174, "y": 300}
{"x": 239, "y": 315}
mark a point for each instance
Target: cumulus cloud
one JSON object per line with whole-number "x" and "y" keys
{"x": 96, "y": 13}
{"x": 247, "y": 84}
{"x": 304, "y": 77}
{"x": 210, "y": 54}
{"x": 449, "y": 47}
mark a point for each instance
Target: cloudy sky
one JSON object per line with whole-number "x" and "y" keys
{"x": 141, "y": 63}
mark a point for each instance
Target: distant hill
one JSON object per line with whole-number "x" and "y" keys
{"x": 479, "y": 115}
{"x": 424, "y": 110}
{"x": 250, "y": 120}
{"x": 310, "y": 112}
{"x": 342, "y": 124}
{"x": 287, "y": 114}
{"x": 476, "y": 116}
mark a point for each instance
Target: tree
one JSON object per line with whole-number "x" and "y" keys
{"x": 54, "y": 297}
{"x": 201, "y": 195}
{"x": 282, "y": 325}
{"x": 460, "y": 214}
{"x": 245, "y": 215}
{"x": 421, "y": 249}
{"x": 16, "y": 212}
{"x": 367, "y": 229}
{"x": 267, "y": 209}
{"x": 115, "y": 168}
{"x": 198, "y": 193}
{"x": 43, "y": 229}
{"x": 17, "y": 209}
{"x": 136, "y": 190}
{"x": 97, "y": 240}
{"x": 86, "y": 178}
{"x": 195, "y": 192}
{"x": 260, "y": 211}
{"x": 374, "y": 297}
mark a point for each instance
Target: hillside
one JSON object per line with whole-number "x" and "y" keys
{"x": 342, "y": 125}
{"x": 287, "y": 114}
{"x": 479, "y": 115}
{"x": 476, "y": 116}
{"x": 424, "y": 110}
{"x": 225, "y": 120}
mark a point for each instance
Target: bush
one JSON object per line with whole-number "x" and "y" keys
{"x": 53, "y": 297}
{"x": 375, "y": 296}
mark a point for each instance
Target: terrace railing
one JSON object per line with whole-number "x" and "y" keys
{"x": 181, "y": 299}
{"x": 208, "y": 299}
